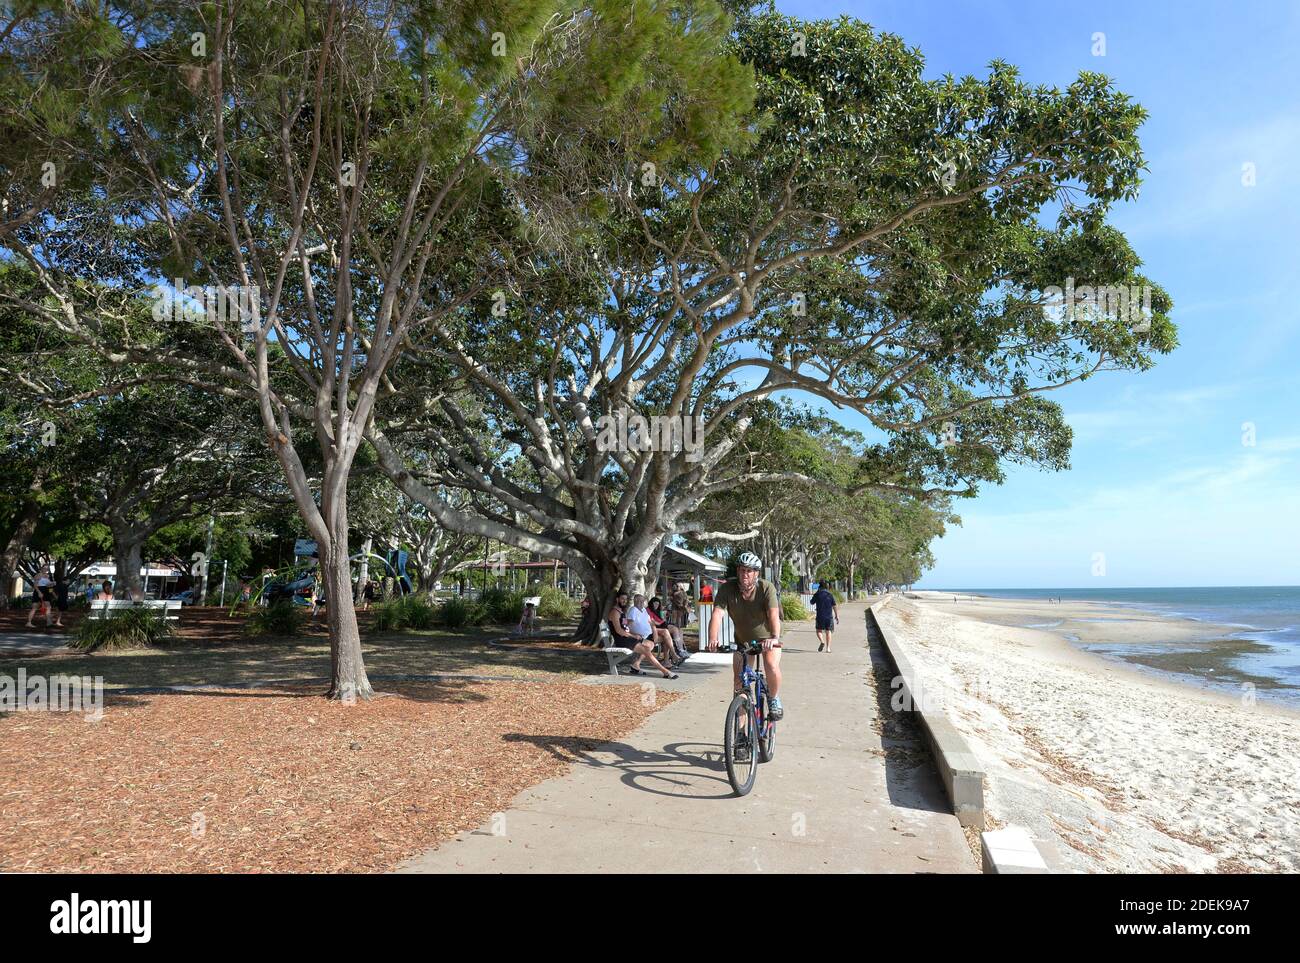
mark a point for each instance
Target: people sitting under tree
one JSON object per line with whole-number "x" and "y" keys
{"x": 625, "y": 636}
{"x": 640, "y": 622}
{"x": 674, "y": 633}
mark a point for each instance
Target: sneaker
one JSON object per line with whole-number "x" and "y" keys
{"x": 820, "y": 646}
{"x": 740, "y": 752}
{"x": 775, "y": 711}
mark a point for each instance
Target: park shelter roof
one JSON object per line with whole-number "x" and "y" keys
{"x": 676, "y": 558}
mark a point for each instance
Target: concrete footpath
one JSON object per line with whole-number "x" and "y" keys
{"x": 841, "y": 795}
{"x": 33, "y": 642}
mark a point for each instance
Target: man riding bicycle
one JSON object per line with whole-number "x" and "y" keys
{"x": 755, "y": 608}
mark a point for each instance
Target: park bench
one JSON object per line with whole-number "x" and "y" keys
{"x": 614, "y": 653}
{"x": 168, "y": 608}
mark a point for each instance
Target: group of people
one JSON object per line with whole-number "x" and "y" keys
{"x": 643, "y": 627}
{"x": 50, "y": 599}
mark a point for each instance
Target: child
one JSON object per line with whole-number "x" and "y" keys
{"x": 527, "y": 621}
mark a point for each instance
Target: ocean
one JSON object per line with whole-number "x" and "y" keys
{"x": 1266, "y": 614}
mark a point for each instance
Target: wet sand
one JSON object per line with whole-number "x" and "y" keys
{"x": 1182, "y": 650}
{"x": 1109, "y": 765}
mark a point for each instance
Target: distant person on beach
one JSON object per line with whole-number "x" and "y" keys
{"x": 828, "y": 616}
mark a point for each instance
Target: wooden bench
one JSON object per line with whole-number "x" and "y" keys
{"x": 168, "y": 609}
{"x": 614, "y": 653}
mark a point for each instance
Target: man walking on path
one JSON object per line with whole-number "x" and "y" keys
{"x": 828, "y": 615}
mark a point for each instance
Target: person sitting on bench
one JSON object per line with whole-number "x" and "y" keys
{"x": 625, "y": 634}
{"x": 658, "y": 620}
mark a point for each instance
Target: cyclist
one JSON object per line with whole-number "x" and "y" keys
{"x": 755, "y": 608}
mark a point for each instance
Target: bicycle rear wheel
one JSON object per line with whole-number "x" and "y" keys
{"x": 742, "y": 728}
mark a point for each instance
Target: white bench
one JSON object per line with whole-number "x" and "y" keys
{"x": 614, "y": 653}
{"x": 169, "y": 609}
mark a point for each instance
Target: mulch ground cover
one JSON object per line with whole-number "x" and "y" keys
{"x": 278, "y": 779}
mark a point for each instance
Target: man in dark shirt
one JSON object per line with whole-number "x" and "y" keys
{"x": 828, "y": 614}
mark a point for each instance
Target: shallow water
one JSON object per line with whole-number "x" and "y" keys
{"x": 1266, "y": 615}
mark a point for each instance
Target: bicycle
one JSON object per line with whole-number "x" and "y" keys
{"x": 748, "y": 713}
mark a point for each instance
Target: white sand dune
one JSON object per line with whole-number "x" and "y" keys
{"x": 1111, "y": 770}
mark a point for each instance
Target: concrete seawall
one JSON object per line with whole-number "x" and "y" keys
{"x": 960, "y": 770}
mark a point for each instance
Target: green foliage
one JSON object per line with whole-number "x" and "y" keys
{"x": 456, "y": 612}
{"x": 793, "y": 609}
{"x": 789, "y": 577}
{"x": 281, "y": 619}
{"x": 416, "y": 611}
{"x": 557, "y": 606}
{"x": 502, "y": 607}
{"x": 123, "y": 629}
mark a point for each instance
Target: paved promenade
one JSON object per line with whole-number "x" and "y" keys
{"x": 840, "y": 796}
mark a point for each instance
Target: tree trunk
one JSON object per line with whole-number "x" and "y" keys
{"x": 13, "y": 551}
{"x": 348, "y": 679}
{"x": 601, "y": 593}
{"x": 128, "y": 550}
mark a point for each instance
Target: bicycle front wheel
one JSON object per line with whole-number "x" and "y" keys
{"x": 739, "y": 744}
{"x": 767, "y": 744}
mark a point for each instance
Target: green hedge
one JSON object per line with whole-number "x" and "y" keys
{"x": 416, "y": 611}
{"x": 501, "y": 607}
{"x": 123, "y": 629}
{"x": 282, "y": 618}
{"x": 557, "y": 606}
{"x": 793, "y": 609}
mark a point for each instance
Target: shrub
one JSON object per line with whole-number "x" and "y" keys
{"x": 421, "y": 611}
{"x": 281, "y": 618}
{"x": 501, "y": 607}
{"x": 406, "y": 612}
{"x": 838, "y": 596}
{"x": 387, "y": 616}
{"x": 558, "y": 606}
{"x": 123, "y": 629}
{"x": 455, "y": 612}
{"x": 793, "y": 608}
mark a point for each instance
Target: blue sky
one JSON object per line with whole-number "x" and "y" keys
{"x": 1163, "y": 484}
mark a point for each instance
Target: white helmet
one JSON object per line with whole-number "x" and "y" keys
{"x": 750, "y": 560}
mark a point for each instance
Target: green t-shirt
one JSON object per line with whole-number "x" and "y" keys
{"x": 750, "y": 617}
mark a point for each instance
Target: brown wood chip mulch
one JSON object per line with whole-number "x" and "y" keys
{"x": 281, "y": 780}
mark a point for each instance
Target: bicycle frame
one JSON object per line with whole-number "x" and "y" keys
{"x": 754, "y": 681}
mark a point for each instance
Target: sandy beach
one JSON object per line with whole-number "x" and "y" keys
{"x": 1110, "y": 767}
